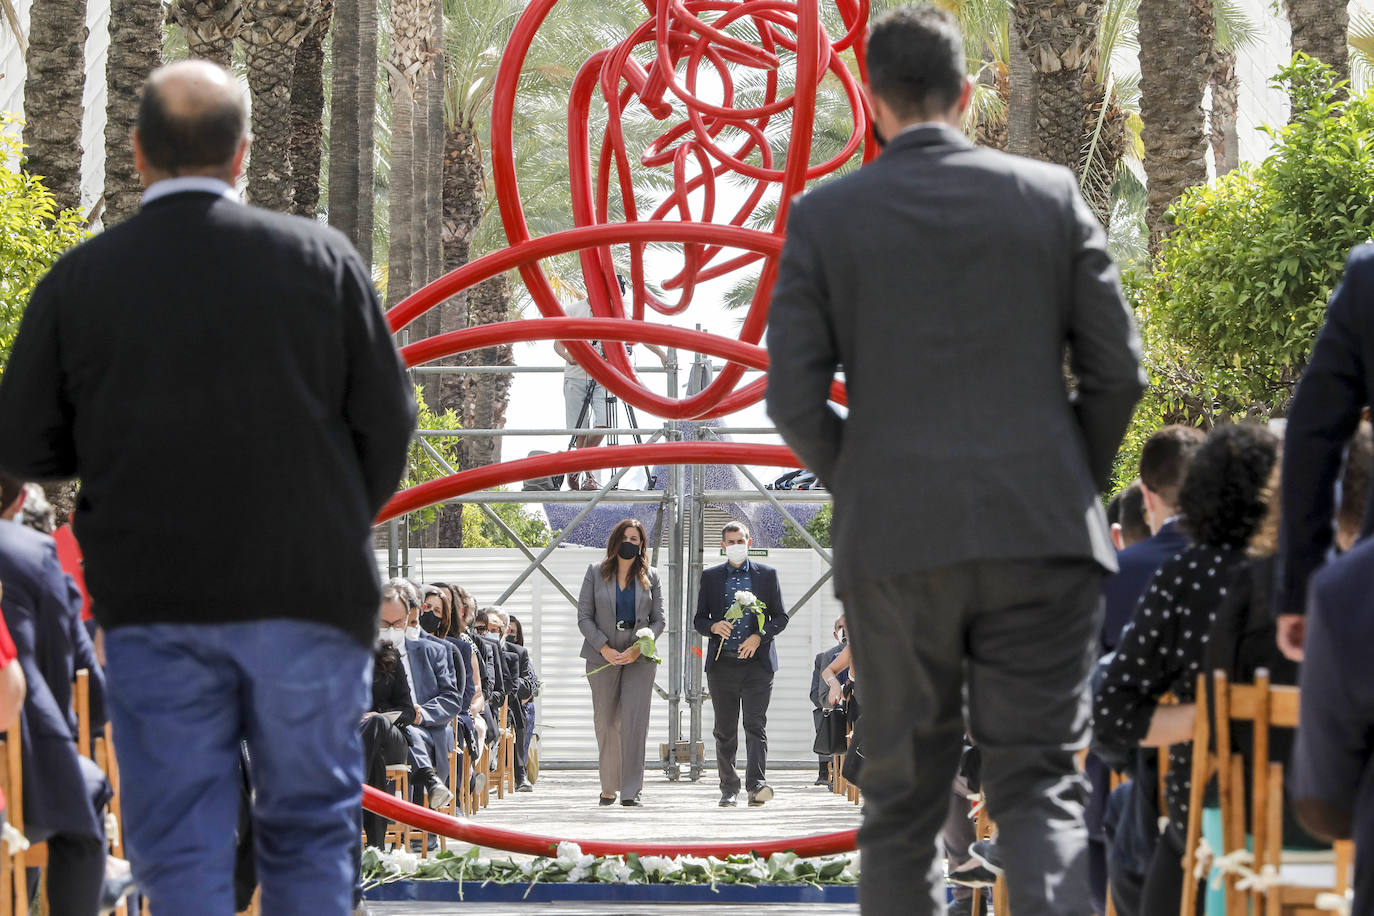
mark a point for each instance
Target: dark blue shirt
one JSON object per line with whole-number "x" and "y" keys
{"x": 625, "y": 605}
{"x": 739, "y": 579}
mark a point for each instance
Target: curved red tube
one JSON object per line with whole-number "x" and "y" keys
{"x": 389, "y": 806}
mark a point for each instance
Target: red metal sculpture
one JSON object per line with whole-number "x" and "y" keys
{"x": 678, "y": 42}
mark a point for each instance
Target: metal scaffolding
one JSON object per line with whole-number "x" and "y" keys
{"x": 684, "y": 498}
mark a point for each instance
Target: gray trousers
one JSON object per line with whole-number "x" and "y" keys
{"x": 1014, "y": 641}
{"x": 620, "y": 715}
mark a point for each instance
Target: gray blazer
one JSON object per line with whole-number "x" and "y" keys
{"x": 948, "y": 282}
{"x": 596, "y": 612}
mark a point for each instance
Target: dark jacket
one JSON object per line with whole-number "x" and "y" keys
{"x": 1136, "y": 565}
{"x": 820, "y": 691}
{"x": 1336, "y": 385}
{"x": 42, "y": 612}
{"x": 237, "y": 362}
{"x": 711, "y": 608}
{"x": 391, "y": 693}
{"x": 949, "y": 281}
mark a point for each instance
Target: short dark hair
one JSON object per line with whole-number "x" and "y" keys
{"x": 1127, "y": 509}
{"x": 1355, "y": 479}
{"x": 1225, "y": 496}
{"x": 10, "y": 488}
{"x": 175, "y": 142}
{"x": 1165, "y": 458}
{"x": 734, "y": 526}
{"x": 916, "y": 61}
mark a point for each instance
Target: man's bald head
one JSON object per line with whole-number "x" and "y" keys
{"x": 191, "y": 120}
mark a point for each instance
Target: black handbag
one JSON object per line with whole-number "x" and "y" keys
{"x": 831, "y": 731}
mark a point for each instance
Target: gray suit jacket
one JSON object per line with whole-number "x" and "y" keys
{"x": 947, "y": 282}
{"x": 596, "y": 612}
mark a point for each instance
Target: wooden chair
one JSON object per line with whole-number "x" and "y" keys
{"x": 397, "y": 833}
{"x": 1287, "y": 879}
{"x": 985, "y": 829}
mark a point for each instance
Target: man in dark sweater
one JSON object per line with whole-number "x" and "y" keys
{"x": 239, "y": 359}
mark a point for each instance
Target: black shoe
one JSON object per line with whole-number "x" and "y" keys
{"x": 632, "y": 802}
{"x": 760, "y": 795}
{"x": 727, "y": 799}
{"x": 821, "y": 781}
{"x": 977, "y": 876}
{"x": 525, "y": 786}
{"x": 604, "y": 801}
{"x": 985, "y": 851}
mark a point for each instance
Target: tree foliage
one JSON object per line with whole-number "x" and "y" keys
{"x": 32, "y": 234}
{"x": 818, "y": 527}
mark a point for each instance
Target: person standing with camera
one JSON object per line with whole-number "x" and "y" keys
{"x": 620, "y": 597}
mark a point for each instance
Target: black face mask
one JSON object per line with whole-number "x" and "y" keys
{"x": 629, "y": 551}
{"x": 429, "y": 622}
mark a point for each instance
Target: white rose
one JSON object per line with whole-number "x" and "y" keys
{"x": 569, "y": 852}
{"x": 744, "y": 598}
{"x": 405, "y": 862}
{"x": 643, "y": 633}
{"x": 622, "y": 873}
{"x": 656, "y": 865}
{"x": 579, "y": 874}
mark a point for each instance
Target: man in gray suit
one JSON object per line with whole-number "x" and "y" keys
{"x": 949, "y": 282}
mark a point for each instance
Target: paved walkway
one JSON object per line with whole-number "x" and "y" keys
{"x": 564, "y": 803}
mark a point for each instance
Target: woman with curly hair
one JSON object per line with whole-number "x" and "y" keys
{"x": 620, "y": 595}
{"x": 1223, "y": 501}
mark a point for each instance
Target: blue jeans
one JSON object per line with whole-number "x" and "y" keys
{"x": 181, "y": 699}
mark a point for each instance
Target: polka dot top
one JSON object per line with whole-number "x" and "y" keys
{"x": 1161, "y": 651}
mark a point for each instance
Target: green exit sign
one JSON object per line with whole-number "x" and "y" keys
{"x": 753, "y": 551}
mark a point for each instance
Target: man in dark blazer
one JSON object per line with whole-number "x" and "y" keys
{"x": 63, "y": 791}
{"x": 240, "y": 359}
{"x": 740, "y": 662}
{"x": 1336, "y": 386}
{"x": 949, "y": 283}
{"x": 1329, "y": 783}
{"x": 820, "y": 693}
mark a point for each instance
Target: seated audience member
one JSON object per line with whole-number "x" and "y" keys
{"x": 1333, "y": 752}
{"x": 493, "y": 676}
{"x": 1359, "y": 456}
{"x": 819, "y": 691}
{"x": 1126, "y": 516}
{"x": 515, "y": 634}
{"x": 12, "y": 685}
{"x": 478, "y": 713}
{"x": 432, "y": 617}
{"x": 520, "y": 686}
{"x": 1223, "y": 502}
{"x": 429, "y": 673}
{"x": 384, "y": 727}
{"x": 63, "y": 791}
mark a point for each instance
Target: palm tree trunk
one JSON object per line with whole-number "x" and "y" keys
{"x": 307, "y": 113}
{"x": 210, "y": 27}
{"x": 344, "y": 145}
{"x": 135, "y": 51}
{"x": 434, "y": 165}
{"x": 419, "y": 131}
{"x": 1176, "y": 65}
{"x": 992, "y": 133}
{"x": 56, "y": 68}
{"x": 274, "y": 31}
{"x": 1060, "y": 40}
{"x": 489, "y": 302}
{"x": 401, "y": 191}
{"x": 367, "y": 117}
{"x": 1225, "y": 110}
{"x": 1021, "y": 114}
{"x": 1320, "y": 29}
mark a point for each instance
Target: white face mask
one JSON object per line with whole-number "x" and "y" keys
{"x": 394, "y": 636}
{"x": 737, "y": 553}
{"x": 412, "y": 632}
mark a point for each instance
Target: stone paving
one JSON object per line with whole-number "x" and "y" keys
{"x": 564, "y": 803}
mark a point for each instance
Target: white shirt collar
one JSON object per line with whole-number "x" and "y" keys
{"x": 202, "y": 183}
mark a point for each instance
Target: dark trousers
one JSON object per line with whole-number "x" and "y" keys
{"x": 741, "y": 685}
{"x": 1017, "y": 638}
{"x": 76, "y": 872}
{"x": 383, "y": 744}
{"x": 958, "y": 835}
{"x": 1163, "y": 887}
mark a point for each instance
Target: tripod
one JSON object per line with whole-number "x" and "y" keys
{"x": 611, "y": 402}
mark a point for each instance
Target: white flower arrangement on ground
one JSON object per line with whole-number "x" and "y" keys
{"x": 570, "y": 865}
{"x": 644, "y": 640}
{"x": 745, "y": 603}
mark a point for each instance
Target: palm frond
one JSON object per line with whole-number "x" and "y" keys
{"x": 1235, "y": 29}
{"x": 1361, "y": 48}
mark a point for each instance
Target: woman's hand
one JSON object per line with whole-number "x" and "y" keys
{"x": 836, "y": 692}
{"x": 629, "y": 655}
{"x": 611, "y": 655}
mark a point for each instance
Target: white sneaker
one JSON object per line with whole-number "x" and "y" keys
{"x": 439, "y": 796}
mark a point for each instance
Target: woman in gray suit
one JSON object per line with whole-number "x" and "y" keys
{"x": 620, "y": 595}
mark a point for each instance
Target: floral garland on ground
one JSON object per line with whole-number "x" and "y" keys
{"x": 571, "y": 865}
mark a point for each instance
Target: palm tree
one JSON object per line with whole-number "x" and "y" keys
{"x": 345, "y": 121}
{"x": 210, "y": 27}
{"x": 1234, "y": 31}
{"x": 410, "y": 24}
{"x": 274, "y": 30}
{"x": 56, "y": 68}
{"x": 1176, "y": 66}
{"x": 1060, "y": 40}
{"x": 1320, "y": 29}
{"x": 135, "y": 51}
{"x": 307, "y": 113}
